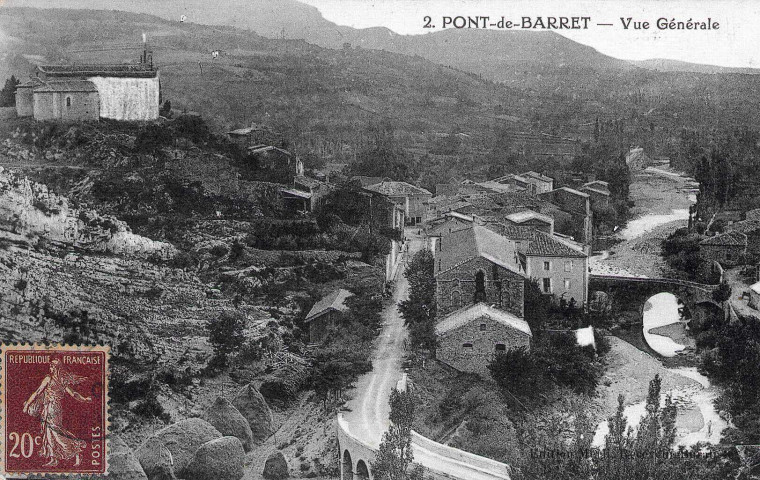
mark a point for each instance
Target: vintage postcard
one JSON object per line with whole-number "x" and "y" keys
{"x": 380, "y": 239}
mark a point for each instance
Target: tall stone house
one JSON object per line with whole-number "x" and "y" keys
{"x": 412, "y": 198}
{"x": 560, "y": 267}
{"x": 539, "y": 183}
{"x": 578, "y": 205}
{"x": 469, "y": 338}
{"x": 477, "y": 265}
{"x": 725, "y": 248}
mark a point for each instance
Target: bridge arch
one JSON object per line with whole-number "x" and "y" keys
{"x": 347, "y": 467}
{"x": 629, "y": 294}
{"x": 362, "y": 471}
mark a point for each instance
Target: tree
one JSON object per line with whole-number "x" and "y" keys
{"x": 419, "y": 311}
{"x": 225, "y": 334}
{"x": 395, "y": 456}
{"x": 536, "y": 307}
{"x": 517, "y": 372}
{"x": 722, "y": 292}
{"x": 8, "y": 93}
{"x": 166, "y": 109}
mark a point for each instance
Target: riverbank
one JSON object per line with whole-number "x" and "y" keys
{"x": 661, "y": 203}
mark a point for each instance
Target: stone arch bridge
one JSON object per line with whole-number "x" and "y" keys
{"x": 631, "y": 293}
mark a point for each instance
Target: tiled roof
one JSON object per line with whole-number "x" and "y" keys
{"x": 296, "y": 193}
{"x": 545, "y": 245}
{"x": 513, "y": 232}
{"x": 744, "y": 226}
{"x": 464, "y": 316}
{"x": 333, "y": 301}
{"x": 139, "y": 70}
{"x": 525, "y": 215}
{"x": 306, "y": 181}
{"x": 392, "y": 188}
{"x": 67, "y": 86}
{"x": 259, "y": 149}
{"x": 477, "y": 241}
{"x": 497, "y": 187}
{"x": 600, "y": 191}
{"x": 365, "y": 181}
{"x": 726, "y": 239}
{"x": 636, "y": 154}
{"x": 537, "y": 175}
{"x": 573, "y": 191}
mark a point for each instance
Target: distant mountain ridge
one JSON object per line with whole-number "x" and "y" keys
{"x": 670, "y": 65}
{"x": 494, "y": 54}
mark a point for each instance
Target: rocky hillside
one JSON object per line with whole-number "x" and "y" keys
{"x": 117, "y": 234}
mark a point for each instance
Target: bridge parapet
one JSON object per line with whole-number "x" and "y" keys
{"x": 441, "y": 462}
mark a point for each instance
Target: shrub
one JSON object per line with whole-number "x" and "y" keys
{"x": 225, "y": 335}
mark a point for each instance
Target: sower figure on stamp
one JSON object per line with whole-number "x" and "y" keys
{"x": 46, "y": 404}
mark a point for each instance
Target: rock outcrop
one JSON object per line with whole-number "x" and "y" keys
{"x": 276, "y": 467}
{"x": 155, "y": 460}
{"x": 181, "y": 440}
{"x": 251, "y": 404}
{"x": 28, "y": 210}
{"x": 229, "y": 421}
{"x": 122, "y": 463}
{"x": 220, "y": 459}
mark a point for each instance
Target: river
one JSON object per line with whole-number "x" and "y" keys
{"x": 663, "y": 198}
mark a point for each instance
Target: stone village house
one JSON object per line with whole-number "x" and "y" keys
{"x": 324, "y": 315}
{"x": 412, "y": 198}
{"x": 469, "y": 338}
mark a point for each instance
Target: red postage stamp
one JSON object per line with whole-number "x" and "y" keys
{"x": 54, "y": 416}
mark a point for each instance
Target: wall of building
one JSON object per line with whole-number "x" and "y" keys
{"x": 318, "y": 327}
{"x": 578, "y": 276}
{"x": 727, "y": 255}
{"x": 55, "y": 106}
{"x": 540, "y": 186}
{"x": 450, "y": 225}
{"x": 570, "y": 201}
{"x": 24, "y": 102}
{"x": 127, "y": 98}
{"x": 475, "y": 359}
{"x": 456, "y": 288}
{"x": 598, "y": 200}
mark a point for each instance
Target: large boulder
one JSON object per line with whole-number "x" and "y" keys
{"x": 156, "y": 460}
{"x": 122, "y": 463}
{"x": 276, "y": 467}
{"x": 220, "y": 459}
{"x": 230, "y": 422}
{"x": 251, "y": 404}
{"x": 181, "y": 440}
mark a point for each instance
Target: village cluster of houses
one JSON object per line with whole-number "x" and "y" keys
{"x": 488, "y": 239}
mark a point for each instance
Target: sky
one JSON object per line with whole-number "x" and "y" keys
{"x": 736, "y": 43}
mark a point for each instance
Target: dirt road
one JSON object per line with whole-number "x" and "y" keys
{"x": 368, "y": 418}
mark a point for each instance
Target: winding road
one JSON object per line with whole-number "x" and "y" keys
{"x": 369, "y": 410}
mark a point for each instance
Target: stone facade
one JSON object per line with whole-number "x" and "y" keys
{"x": 461, "y": 286}
{"x": 561, "y": 277}
{"x": 321, "y": 325}
{"x": 25, "y": 100}
{"x": 726, "y": 249}
{"x": 54, "y": 105}
{"x": 472, "y": 346}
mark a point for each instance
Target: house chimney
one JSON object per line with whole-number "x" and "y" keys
{"x": 144, "y": 58}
